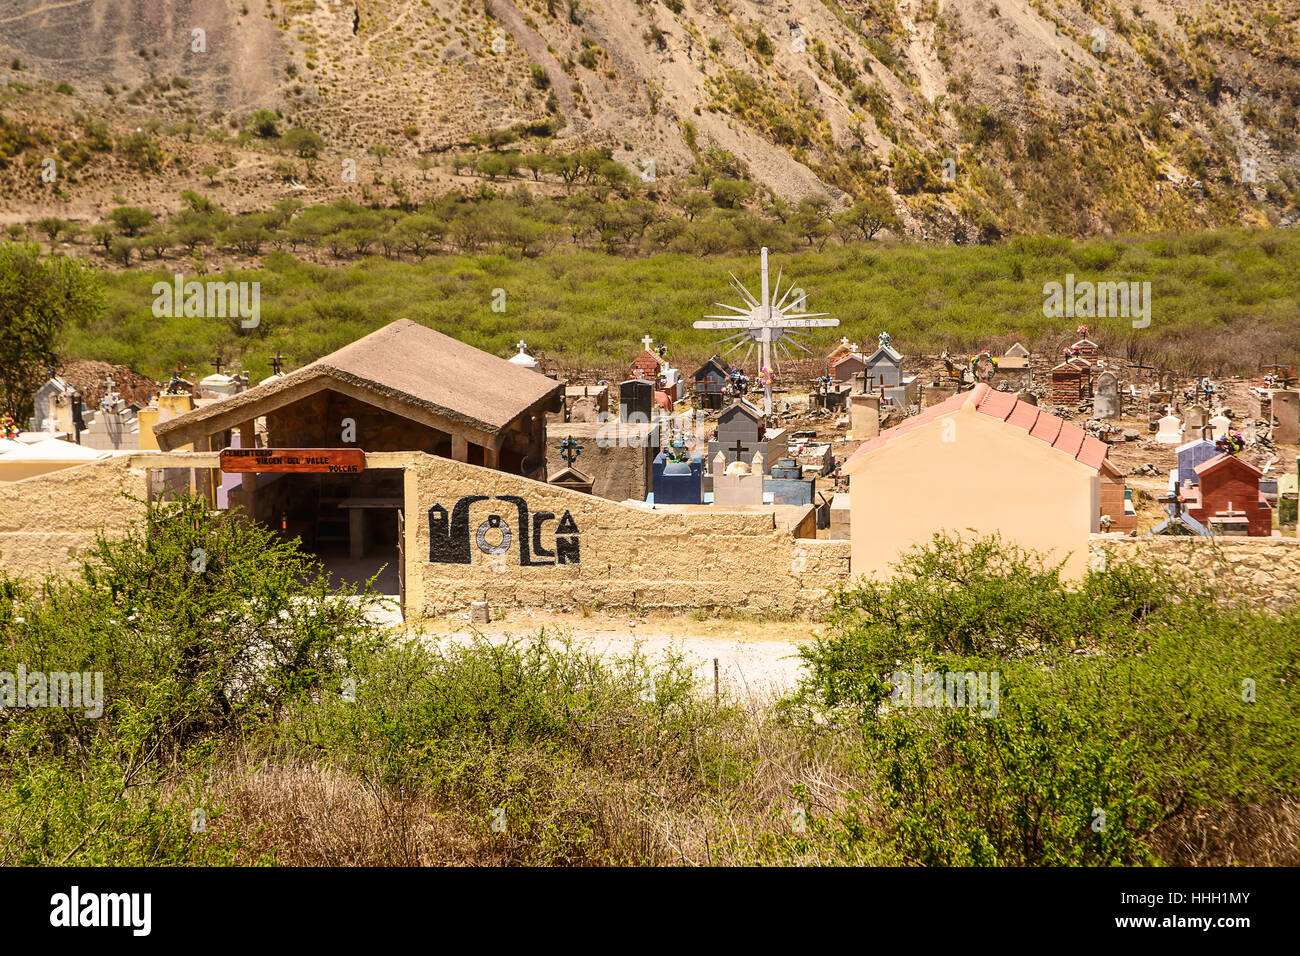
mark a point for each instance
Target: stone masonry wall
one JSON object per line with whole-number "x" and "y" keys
{"x": 625, "y": 557}
{"x": 47, "y": 521}
{"x": 1264, "y": 570}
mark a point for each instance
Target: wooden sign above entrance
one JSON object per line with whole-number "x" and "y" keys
{"x": 335, "y": 461}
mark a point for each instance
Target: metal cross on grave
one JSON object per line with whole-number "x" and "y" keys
{"x": 217, "y": 362}
{"x": 1174, "y": 498}
{"x": 277, "y": 363}
{"x": 766, "y": 321}
{"x": 738, "y": 449}
{"x": 569, "y": 451}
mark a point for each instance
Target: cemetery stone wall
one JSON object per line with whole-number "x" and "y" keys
{"x": 568, "y": 550}
{"x": 1261, "y": 570}
{"x": 47, "y": 521}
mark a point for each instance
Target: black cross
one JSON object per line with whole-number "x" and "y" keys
{"x": 1175, "y": 499}
{"x": 1280, "y": 372}
{"x": 218, "y": 363}
{"x": 276, "y": 363}
{"x": 740, "y": 447}
{"x": 569, "y": 452}
{"x": 1139, "y": 365}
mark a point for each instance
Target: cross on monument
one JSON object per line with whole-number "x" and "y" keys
{"x": 766, "y": 321}
{"x": 1175, "y": 499}
{"x": 277, "y": 363}
{"x": 520, "y": 345}
{"x": 647, "y": 342}
{"x": 218, "y": 363}
{"x": 569, "y": 451}
{"x": 738, "y": 448}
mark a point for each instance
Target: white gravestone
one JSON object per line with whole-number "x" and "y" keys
{"x": 1171, "y": 431}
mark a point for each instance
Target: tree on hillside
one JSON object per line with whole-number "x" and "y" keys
{"x": 869, "y": 216}
{"x": 37, "y": 298}
{"x": 52, "y": 226}
{"x": 306, "y": 143}
{"x": 263, "y": 123}
{"x": 130, "y": 219}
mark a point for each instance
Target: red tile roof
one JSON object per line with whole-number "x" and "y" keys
{"x": 1218, "y": 461}
{"x": 1061, "y": 435}
{"x": 849, "y": 355}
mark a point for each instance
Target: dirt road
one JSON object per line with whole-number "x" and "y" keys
{"x": 756, "y": 660}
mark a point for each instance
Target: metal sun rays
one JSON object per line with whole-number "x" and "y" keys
{"x": 766, "y": 323}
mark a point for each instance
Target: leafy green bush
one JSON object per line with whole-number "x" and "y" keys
{"x": 1124, "y": 702}
{"x": 205, "y": 629}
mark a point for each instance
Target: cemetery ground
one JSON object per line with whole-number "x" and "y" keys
{"x": 253, "y": 715}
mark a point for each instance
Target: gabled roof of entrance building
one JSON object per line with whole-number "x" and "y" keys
{"x": 405, "y": 362}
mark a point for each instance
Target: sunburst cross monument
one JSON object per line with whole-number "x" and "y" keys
{"x": 766, "y": 321}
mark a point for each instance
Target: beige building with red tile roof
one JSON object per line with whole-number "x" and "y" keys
{"x": 977, "y": 464}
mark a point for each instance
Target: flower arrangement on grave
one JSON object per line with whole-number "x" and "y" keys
{"x": 1082, "y": 330}
{"x": 177, "y": 385}
{"x": 1070, "y": 351}
{"x": 825, "y": 383}
{"x": 1230, "y": 444}
{"x": 570, "y": 449}
{"x": 1106, "y": 522}
{"x": 8, "y": 427}
{"x": 766, "y": 377}
{"x": 983, "y": 366}
{"x": 738, "y": 384}
{"x": 662, "y": 351}
{"x": 1270, "y": 380}
{"x": 883, "y": 340}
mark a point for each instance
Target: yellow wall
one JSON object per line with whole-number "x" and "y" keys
{"x": 989, "y": 477}
{"x": 26, "y": 468}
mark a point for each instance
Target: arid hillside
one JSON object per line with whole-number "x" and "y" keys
{"x": 975, "y": 119}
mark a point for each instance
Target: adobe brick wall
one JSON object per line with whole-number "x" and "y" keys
{"x": 627, "y": 557}
{"x": 317, "y": 422}
{"x": 1266, "y": 570}
{"x": 46, "y": 522}
{"x": 621, "y": 469}
{"x": 712, "y": 560}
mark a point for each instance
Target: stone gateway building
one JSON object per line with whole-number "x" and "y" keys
{"x": 403, "y": 388}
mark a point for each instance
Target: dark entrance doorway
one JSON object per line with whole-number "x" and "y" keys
{"x": 349, "y": 522}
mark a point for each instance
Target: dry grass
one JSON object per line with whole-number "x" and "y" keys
{"x": 306, "y": 815}
{"x": 1266, "y": 834}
